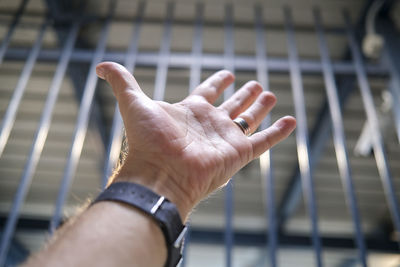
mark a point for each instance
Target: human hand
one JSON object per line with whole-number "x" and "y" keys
{"x": 187, "y": 150}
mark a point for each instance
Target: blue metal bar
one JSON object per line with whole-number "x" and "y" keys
{"x": 339, "y": 137}
{"x": 163, "y": 56}
{"x": 318, "y": 138}
{"x": 82, "y": 123}
{"x": 302, "y": 135}
{"x": 186, "y": 245}
{"x": 41, "y": 133}
{"x": 228, "y": 234}
{"x": 60, "y": 12}
{"x": 197, "y": 47}
{"x": 262, "y": 61}
{"x": 6, "y": 127}
{"x": 45, "y": 120}
{"x": 391, "y": 57}
{"x": 195, "y": 74}
{"x": 9, "y": 117}
{"x": 11, "y": 29}
{"x": 210, "y": 61}
{"x": 116, "y": 135}
{"x": 17, "y": 254}
{"x": 244, "y": 25}
{"x": 229, "y": 48}
{"x": 394, "y": 87}
{"x": 266, "y": 159}
{"x": 212, "y": 236}
{"x": 379, "y": 150}
{"x": 229, "y": 54}
{"x": 258, "y": 239}
{"x": 320, "y": 132}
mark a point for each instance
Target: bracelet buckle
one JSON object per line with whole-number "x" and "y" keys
{"x": 157, "y": 205}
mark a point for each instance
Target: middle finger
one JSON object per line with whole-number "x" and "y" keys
{"x": 242, "y": 99}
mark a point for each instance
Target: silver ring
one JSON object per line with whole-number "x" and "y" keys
{"x": 243, "y": 125}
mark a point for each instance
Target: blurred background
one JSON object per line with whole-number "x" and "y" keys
{"x": 326, "y": 196}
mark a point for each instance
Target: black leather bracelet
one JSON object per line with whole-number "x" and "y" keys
{"x": 161, "y": 209}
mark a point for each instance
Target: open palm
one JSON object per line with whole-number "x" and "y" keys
{"x": 188, "y": 149}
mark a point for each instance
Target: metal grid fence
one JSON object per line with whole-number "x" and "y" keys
{"x": 195, "y": 62}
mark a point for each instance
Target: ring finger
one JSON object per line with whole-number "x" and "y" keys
{"x": 258, "y": 110}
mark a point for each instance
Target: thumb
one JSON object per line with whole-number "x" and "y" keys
{"x": 121, "y": 81}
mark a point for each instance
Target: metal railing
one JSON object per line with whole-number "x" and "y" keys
{"x": 261, "y": 64}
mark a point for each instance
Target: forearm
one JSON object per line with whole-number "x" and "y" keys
{"x": 107, "y": 234}
{"x": 110, "y": 233}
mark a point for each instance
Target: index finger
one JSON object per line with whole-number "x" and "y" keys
{"x": 213, "y": 87}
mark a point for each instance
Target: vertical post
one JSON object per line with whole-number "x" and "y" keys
{"x": 42, "y": 131}
{"x": 372, "y": 117}
{"x": 114, "y": 145}
{"x": 9, "y": 117}
{"x": 195, "y": 74}
{"x": 318, "y": 138}
{"x": 163, "y": 56}
{"x": 391, "y": 58}
{"x": 82, "y": 123}
{"x": 229, "y": 54}
{"x": 197, "y": 47}
{"x": 303, "y": 153}
{"x": 11, "y": 29}
{"x": 339, "y": 137}
{"x": 266, "y": 158}
{"x": 6, "y": 126}
{"x": 394, "y": 87}
{"x": 186, "y": 245}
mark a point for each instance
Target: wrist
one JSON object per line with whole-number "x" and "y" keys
{"x": 157, "y": 207}
{"x": 158, "y": 181}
